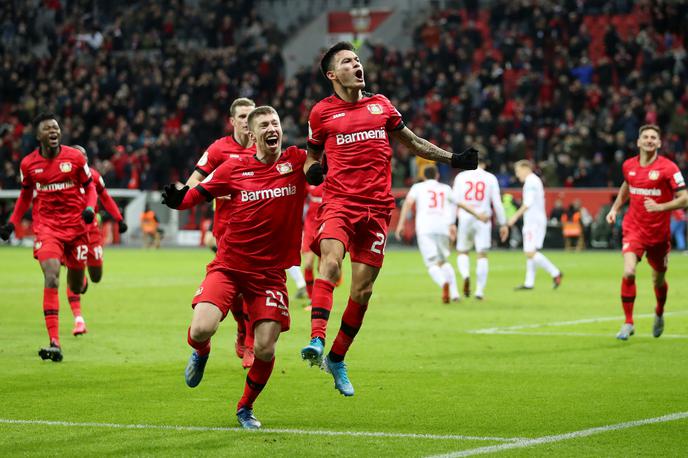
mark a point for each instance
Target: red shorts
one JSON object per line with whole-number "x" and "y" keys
{"x": 265, "y": 293}
{"x": 72, "y": 253}
{"x": 95, "y": 247}
{"x": 657, "y": 254}
{"x": 363, "y": 232}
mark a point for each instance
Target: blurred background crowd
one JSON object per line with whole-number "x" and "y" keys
{"x": 145, "y": 86}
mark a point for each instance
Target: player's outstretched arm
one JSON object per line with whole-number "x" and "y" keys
{"x": 20, "y": 207}
{"x": 621, "y": 199}
{"x": 195, "y": 178}
{"x": 466, "y": 160}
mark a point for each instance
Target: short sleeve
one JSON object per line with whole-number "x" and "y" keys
{"x": 394, "y": 120}
{"x": 413, "y": 193}
{"x": 25, "y": 176}
{"x": 83, "y": 170}
{"x": 316, "y": 134}
{"x": 210, "y": 160}
{"x": 217, "y": 183}
{"x": 676, "y": 181}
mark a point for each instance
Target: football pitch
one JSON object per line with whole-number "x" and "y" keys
{"x": 535, "y": 373}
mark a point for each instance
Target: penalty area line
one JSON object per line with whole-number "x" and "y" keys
{"x": 262, "y": 430}
{"x": 563, "y": 437}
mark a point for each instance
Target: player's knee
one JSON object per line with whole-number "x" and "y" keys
{"x": 52, "y": 280}
{"x": 361, "y": 293}
{"x": 202, "y": 331}
{"x": 331, "y": 268}
{"x": 264, "y": 351}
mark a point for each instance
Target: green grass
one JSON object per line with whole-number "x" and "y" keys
{"x": 415, "y": 366}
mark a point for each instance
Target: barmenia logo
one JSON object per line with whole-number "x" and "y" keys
{"x": 262, "y": 194}
{"x": 345, "y": 139}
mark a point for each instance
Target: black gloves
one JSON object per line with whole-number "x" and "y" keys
{"x": 6, "y": 230}
{"x": 172, "y": 197}
{"x": 122, "y": 227}
{"x": 88, "y": 214}
{"x": 315, "y": 174}
{"x": 466, "y": 160}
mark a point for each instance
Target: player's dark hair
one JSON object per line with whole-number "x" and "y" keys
{"x": 240, "y": 102}
{"x": 261, "y": 110}
{"x": 43, "y": 117}
{"x": 326, "y": 61}
{"x": 430, "y": 172}
{"x": 645, "y": 127}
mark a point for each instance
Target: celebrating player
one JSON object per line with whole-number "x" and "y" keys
{"x": 94, "y": 259}
{"x": 265, "y": 190}
{"x": 534, "y": 225}
{"x": 238, "y": 144}
{"x": 353, "y": 128}
{"x": 435, "y": 214}
{"x": 52, "y": 177}
{"x": 655, "y": 187}
{"x": 479, "y": 190}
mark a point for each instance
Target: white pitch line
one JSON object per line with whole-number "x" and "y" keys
{"x": 263, "y": 430}
{"x": 565, "y": 323}
{"x": 563, "y": 437}
{"x": 581, "y": 334}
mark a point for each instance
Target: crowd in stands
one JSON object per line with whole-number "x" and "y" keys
{"x": 145, "y": 86}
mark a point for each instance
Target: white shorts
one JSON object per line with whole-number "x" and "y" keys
{"x": 533, "y": 236}
{"x": 434, "y": 248}
{"x": 472, "y": 232}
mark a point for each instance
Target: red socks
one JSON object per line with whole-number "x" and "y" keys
{"x": 661, "y": 295}
{"x": 308, "y": 276}
{"x": 322, "y": 305}
{"x": 51, "y": 309}
{"x": 202, "y": 348}
{"x": 256, "y": 379}
{"x": 628, "y": 297}
{"x": 351, "y": 323}
{"x": 74, "y": 302}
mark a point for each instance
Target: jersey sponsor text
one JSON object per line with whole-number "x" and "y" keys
{"x": 262, "y": 194}
{"x": 345, "y": 139}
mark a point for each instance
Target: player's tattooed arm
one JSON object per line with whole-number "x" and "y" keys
{"x": 421, "y": 146}
{"x": 466, "y": 160}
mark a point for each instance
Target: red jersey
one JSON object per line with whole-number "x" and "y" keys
{"x": 359, "y": 155}
{"x": 219, "y": 151}
{"x": 658, "y": 181}
{"x": 58, "y": 197}
{"x": 264, "y": 210}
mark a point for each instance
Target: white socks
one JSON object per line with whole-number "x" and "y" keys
{"x": 463, "y": 262}
{"x": 481, "y": 270}
{"x": 297, "y": 275}
{"x": 530, "y": 273}
{"x": 437, "y": 275}
{"x": 542, "y": 262}
{"x": 450, "y": 277}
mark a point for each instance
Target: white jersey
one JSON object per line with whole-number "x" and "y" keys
{"x": 479, "y": 190}
{"x": 534, "y": 199}
{"x": 435, "y": 210}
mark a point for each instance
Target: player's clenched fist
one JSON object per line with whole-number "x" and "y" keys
{"x": 122, "y": 226}
{"x": 466, "y": 160}
{"x": 88, "y": 215}
{"x": 6, "y": 230}
{"x": 173, "y": 197}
